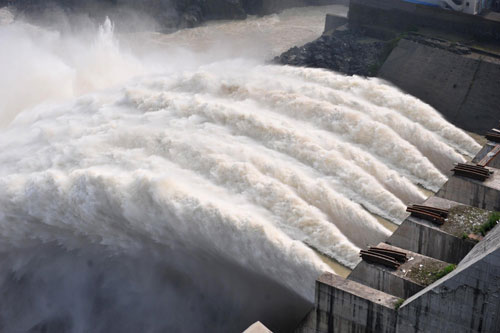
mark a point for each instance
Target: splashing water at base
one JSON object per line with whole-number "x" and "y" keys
{"x": 187, "y": 197}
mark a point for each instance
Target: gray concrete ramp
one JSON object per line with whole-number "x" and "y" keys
{"x": 465, "y": 89}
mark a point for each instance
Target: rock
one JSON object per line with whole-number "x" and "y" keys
{"x": 343, "y": 51}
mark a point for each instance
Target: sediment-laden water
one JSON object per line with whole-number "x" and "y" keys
{"x": 169, "y": 193}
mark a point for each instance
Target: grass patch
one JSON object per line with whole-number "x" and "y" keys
{"x": 448, "y": 269}
{"x": 428, "y": 271}
{"x": 424, "y": 272}
{"x": 399, "y": 303}
{"x": 488, "y": 225}
{"x": 464, "y": 220}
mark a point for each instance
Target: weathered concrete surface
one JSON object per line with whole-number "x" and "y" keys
{"x": 383, "y": 279}
{"x": 347, "y": 306}
{"x": 487, "y": 149}
{"x": 474, "y": 193}
{"x": 258, "y": 327}
{"x": 466, "y": 300}
{"x": 398, "y": 282}
{"x": 453, "y": 64}
{"x": 429, "y": 239}
{"x": 464, "y": 88}
{"x": 332, "y": 22}
{"x": 402, "y": 15}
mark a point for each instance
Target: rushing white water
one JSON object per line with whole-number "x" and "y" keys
{"x": 184, "y": 186}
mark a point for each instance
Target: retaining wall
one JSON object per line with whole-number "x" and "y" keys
{"x": 426, "y": 238}
{"x": 464, "y": 89}
{"x": 494, "y": 162}
{"x": 402, "y": 15}
{"x": 474, "y": 193}
{"x": 421, "y": 238}
{"x": 347, "y": 306}
{"x": 466, "y": 300}
{"x": 383, "y": 279}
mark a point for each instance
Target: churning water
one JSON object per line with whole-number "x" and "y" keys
{"x": 171, "y": 193}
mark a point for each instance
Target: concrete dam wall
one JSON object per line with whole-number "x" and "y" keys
{"x": 465, "y": 89}
{"x": 452, "y": 62}
{"x": 455, "y": 66}
{"x": 375, "y": 298}
{"x": 447, "y": 59}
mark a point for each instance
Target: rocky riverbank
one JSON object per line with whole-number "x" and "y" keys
{"x": 343, "y": 51}
{"x": 169, "y": 14}
{"x": 355, "y": 52}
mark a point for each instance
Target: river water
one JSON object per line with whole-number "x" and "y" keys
{"x": 179, "y": 183}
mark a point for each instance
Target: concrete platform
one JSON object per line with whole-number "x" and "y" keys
{"x": 447, "y": 242}
{"x": 487, "y": 151}
{"x": 347, "y": 306}
{"x": 407, "y": 280}
{"x": 485, "y": 195}
{"x": 466, "y": 300}
{"x": 332, "y": 22}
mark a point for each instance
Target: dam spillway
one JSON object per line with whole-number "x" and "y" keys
{"x": 427, "y": 294}
{"x": 233, "y": 164}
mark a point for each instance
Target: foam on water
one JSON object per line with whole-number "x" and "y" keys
{"x": 210, "y": 179}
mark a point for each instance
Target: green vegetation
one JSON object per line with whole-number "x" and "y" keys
{"x": 399, "y": 303}
{"x": 448, "y": 269}
{"x": 425, "y": 271}
{"x": 429, "y": 271}
{"x": 493, "y": 219}
{"x": 463, "y": 221}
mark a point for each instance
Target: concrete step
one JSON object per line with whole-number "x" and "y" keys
{"x": 488, "y": 154}
{"x": 448, "y": 242}
{"x": 344, "y": 305}
{"x": 403, "y": 282}
{"x": 475, "y": 193}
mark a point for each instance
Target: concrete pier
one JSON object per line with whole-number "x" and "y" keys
{"x": 347, "y": 306}
{"x": 378, "y": 299}
{"x": 407, "y": 280}
{"x": 490, "y": 155}
{"x": 466, "y": 300}
{"x": 333, "y": 22}
{"x": 444, "y": 242}
{"x": 472, "y": 192}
